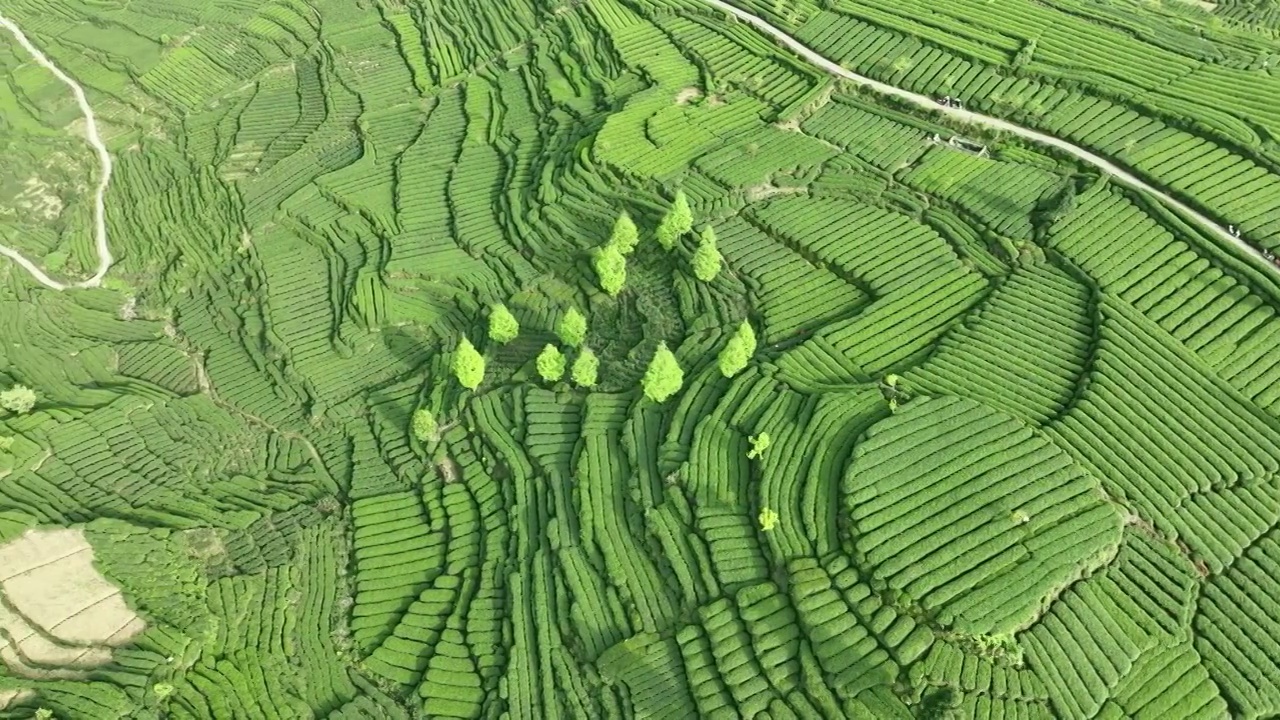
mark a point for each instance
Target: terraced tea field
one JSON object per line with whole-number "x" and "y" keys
{"x": 639, "y": 359}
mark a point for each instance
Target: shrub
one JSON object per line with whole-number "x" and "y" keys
{"x": 572, "y": 328}
{"x": 468, "y": 365}
{"x": 663, "y": 378}
{"x": 677, "y": 221}
{"x": 503, "y": 326}
{"x": 551, "y": 363}
{"x": 625, "y": 235}
{"x": 759, "y": 443}
{"x": 611, "y": 268}
{"x": 768, "y": 519}
{"x": 706, "y": 259}
{"x": 18, "y": 399}
{"x": 586, "y": 368}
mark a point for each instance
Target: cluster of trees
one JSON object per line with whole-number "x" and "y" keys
{"x": 610, "y": 260}
{"x": 469, "y": 364}
{"x": 664, "y": 377}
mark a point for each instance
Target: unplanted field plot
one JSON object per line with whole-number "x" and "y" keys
{"x": 606, "y": 360}
{"x": 58, "y": 615}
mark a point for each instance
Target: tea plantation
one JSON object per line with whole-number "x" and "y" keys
{"x": 598, "y": 359}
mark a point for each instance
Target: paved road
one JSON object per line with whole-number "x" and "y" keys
{"x": 104, "y": 177}
{"x": 996, "y": 123}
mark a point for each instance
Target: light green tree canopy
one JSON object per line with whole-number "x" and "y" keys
{"x": 677, "y": 221}
{"x": 625, "y": 235}
{"x": 664, "y": 377}
{"x": 706, "y": 259}
{"x": 503, "y": 326}
{"x": 759, "y": 443}
{"x": 18, "y": 399}
{"x": 748, "y": 336}
{"x": 733, "y": 357}
{"x": 611, "y": 268}
{"x": 768, "y": 519}
{"x": 551, "y": 363}
{"x": 468, "y": 365}
{"x": 572, "y": 328}
{"x": 424, "y": 426}
{"x": 586, "y": 368}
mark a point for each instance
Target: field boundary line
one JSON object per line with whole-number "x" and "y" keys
{"x": 104, "y": 159}
{"x": 928, "y": 103}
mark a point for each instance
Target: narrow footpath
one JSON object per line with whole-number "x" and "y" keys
{"x": 994, "y": 123}
{"x": 104, "y": 176}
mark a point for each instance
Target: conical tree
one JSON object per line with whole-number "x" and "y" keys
{"x": 503, "y": 326}
{"x": 625, "y": 234}
{"x": 551, "y": 363}
{"x": 468, "y": 365}
{"x": 664, "y": 377}
{"x": 572, "y": 328}
{"x": 733, "y": 358}
{"x": 738, "y": 351}
{"x": 706, "y": 259}
{"x": 611, "y": 268}
{"x": 677, "y": 221}
{"x": 586, "y": 368}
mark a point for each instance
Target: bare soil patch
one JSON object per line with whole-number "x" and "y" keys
{"x": 58, "y": 615}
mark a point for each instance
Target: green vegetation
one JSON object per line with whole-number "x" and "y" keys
{"x": 586, "y": 368}
{"x": 425, "y": 428}
{"x": 706, "y": 259}
{"x": 664, "y": 377}
{"x": 737, "y": 352}
{"x": 611, "y": 268}
{"x": 933, "y": 423}
{"x": 768, "y": 520}
{"x": 551, "y": 363}
{"x": 18, "y": 399}
{"x": 625, "y": 234}
{"x": 503, "y": 326}
{"x": 677, "y": 221}
{"x": 572, "y": 328}
{"x": 468, "y": 365}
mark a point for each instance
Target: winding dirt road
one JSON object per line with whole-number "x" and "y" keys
{"x": 104, "y": 178}
{"x": 969, "y": 116}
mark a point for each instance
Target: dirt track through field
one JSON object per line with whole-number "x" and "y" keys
{"x": 969, "y": 116}
{"x": 104, "y": 178}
